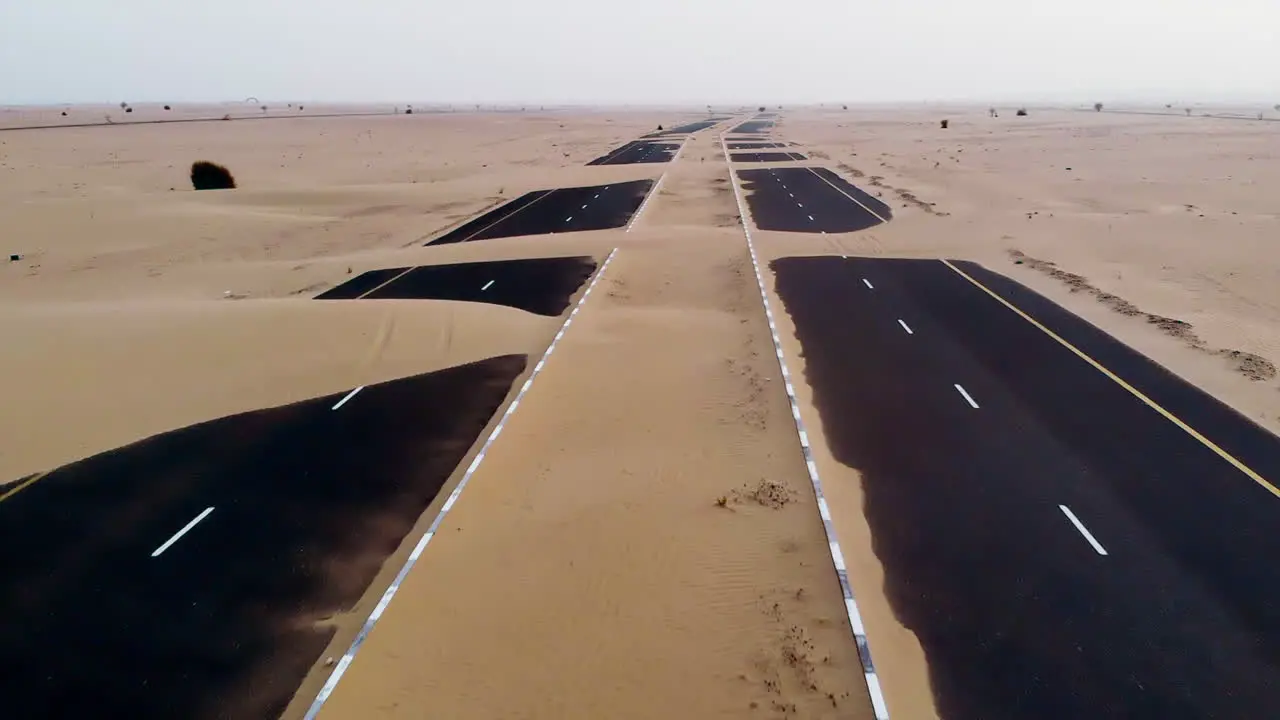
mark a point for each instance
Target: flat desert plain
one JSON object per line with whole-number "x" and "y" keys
{"x": 642, "y": 540}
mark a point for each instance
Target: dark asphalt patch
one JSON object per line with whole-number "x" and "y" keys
{"x": 538, "y": 285}
{"x": 308, "y": 503}
{"x": 638, "y": 151}
{"x": 477, "y": 226}
{"x": 1018, "y": 615}
{"x": 753, "y": 126}
{"x": 799, "y": 200}
{"x": 877, "y": 206}
{"x": 755, "y": 145}
{"x": 687, "y": 128}
{"x": 766, "y": 156}
{"x": 598, "y": 207}
{"x": 360, "y": 284}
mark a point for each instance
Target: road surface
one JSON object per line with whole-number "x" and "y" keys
{"x": 1063, "y": 545}
{"x": 809, "y": 200}
{"x": 190, "y": 575}
{"x": 538, "y": 285}
{"x": 599, "y": 207}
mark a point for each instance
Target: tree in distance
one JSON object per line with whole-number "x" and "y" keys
{"x": 761, "y": 108}
{"x": 123, "y": 104}
{"x": 211, "y": 176}
{"x": 1097, "y": 107}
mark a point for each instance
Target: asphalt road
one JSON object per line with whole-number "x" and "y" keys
{"x": 639, "y": 151}
{"x": 1061, "y": 548}
{"x": 753, "y": 126}
{"x": 743, "y": 157}
{"x": 687, "y": 128}
{"x": 189, "y": 575}
{"x": 598, "y": 207}
{"x": 538, "y": 285}
{"x": 755, "y": 145}
{"x": 809, "y": 200}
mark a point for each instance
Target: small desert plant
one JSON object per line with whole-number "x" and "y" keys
{"x": 944, "y": 124}
{"x": 128, "y": 110}
{"x": 659, "y": 127}
{"x": 300, "y": 108}
{"x": 211, "y": 176}
{"x": 1188, "y": 111}
{"x": 408, "y": 111}
{"x": 761, "y": 108}
{"x": 124, "y": 105}
{"x": 64, "y": 113}
{"x": 263, "y": 108}
{"x": 1022, "y": 112}
{"x": 1276, "y": 108}
{"x": 166, "y": 107}
{"x": 1097, "y": 107}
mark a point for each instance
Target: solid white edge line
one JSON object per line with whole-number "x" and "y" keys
{"x": 348, "y": 396}
{"x": 1097, "y": 546}
{"x": 487, "y": 285}
{"x": 878, "y": 705}
{"x": 905, "y": 327}
{"x": 341, "y": 667}
{"x": 968, "y": 398}
{"x": 178, "y": 535}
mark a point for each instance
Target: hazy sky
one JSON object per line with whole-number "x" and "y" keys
{"x": 655, "y": 51}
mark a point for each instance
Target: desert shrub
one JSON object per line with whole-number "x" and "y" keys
{"x": 1097, "y": 107}
{"x": 1022, "y": 112}
{"x": 944, "y": 124}
{"x": 64, "y": 113}
{"x": 761, "y": 108}
{"x": 128, "y": 110}
{"x": 659, "y": 127}
{"x": 211, "y": 176}
{"x": 408, "y": 111}
{"x": 166, "y": 107}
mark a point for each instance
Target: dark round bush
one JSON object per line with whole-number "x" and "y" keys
{"x": 211, "y": 176}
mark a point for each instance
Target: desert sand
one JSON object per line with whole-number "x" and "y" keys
{"x": 642, "y": 540}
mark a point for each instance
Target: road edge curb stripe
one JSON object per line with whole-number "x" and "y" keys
{"x": 653, "y": 191}
{"x": 341, "y": 667}
{"x": 1211, "y": 445}
{"x": 878, "y": 704}
{"x": 838, "y": 189}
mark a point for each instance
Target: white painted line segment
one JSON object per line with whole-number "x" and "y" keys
{"x": 184, "y": 531}
{"x": 487, "y": 286}
{"x": 967, "y": 396}
{"x": 878, "y": 705}
{"x": 810, "y": 218}
{"x": 341, "y": 667}
{"x": 348, "y": 396}
{"x": 868, "y": 284}
{"x": 568, "y": 218}
{"x": 905, "y": 327}
{"x": 1083, "y": 530}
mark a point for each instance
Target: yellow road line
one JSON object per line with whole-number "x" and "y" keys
{"x": 1134, "y": 391}
{"x": 842, "y": 192}
{"x": 21, "y": 486}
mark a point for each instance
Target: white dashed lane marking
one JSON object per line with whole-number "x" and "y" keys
{"x": 1097, "y": 546}
{"x": 968, "y": 398}
{"x": 490, "y": 284}
{"x": 868, "y": 284}
{"x": 905, "y": 327}
{"x": 568, "y": 218}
